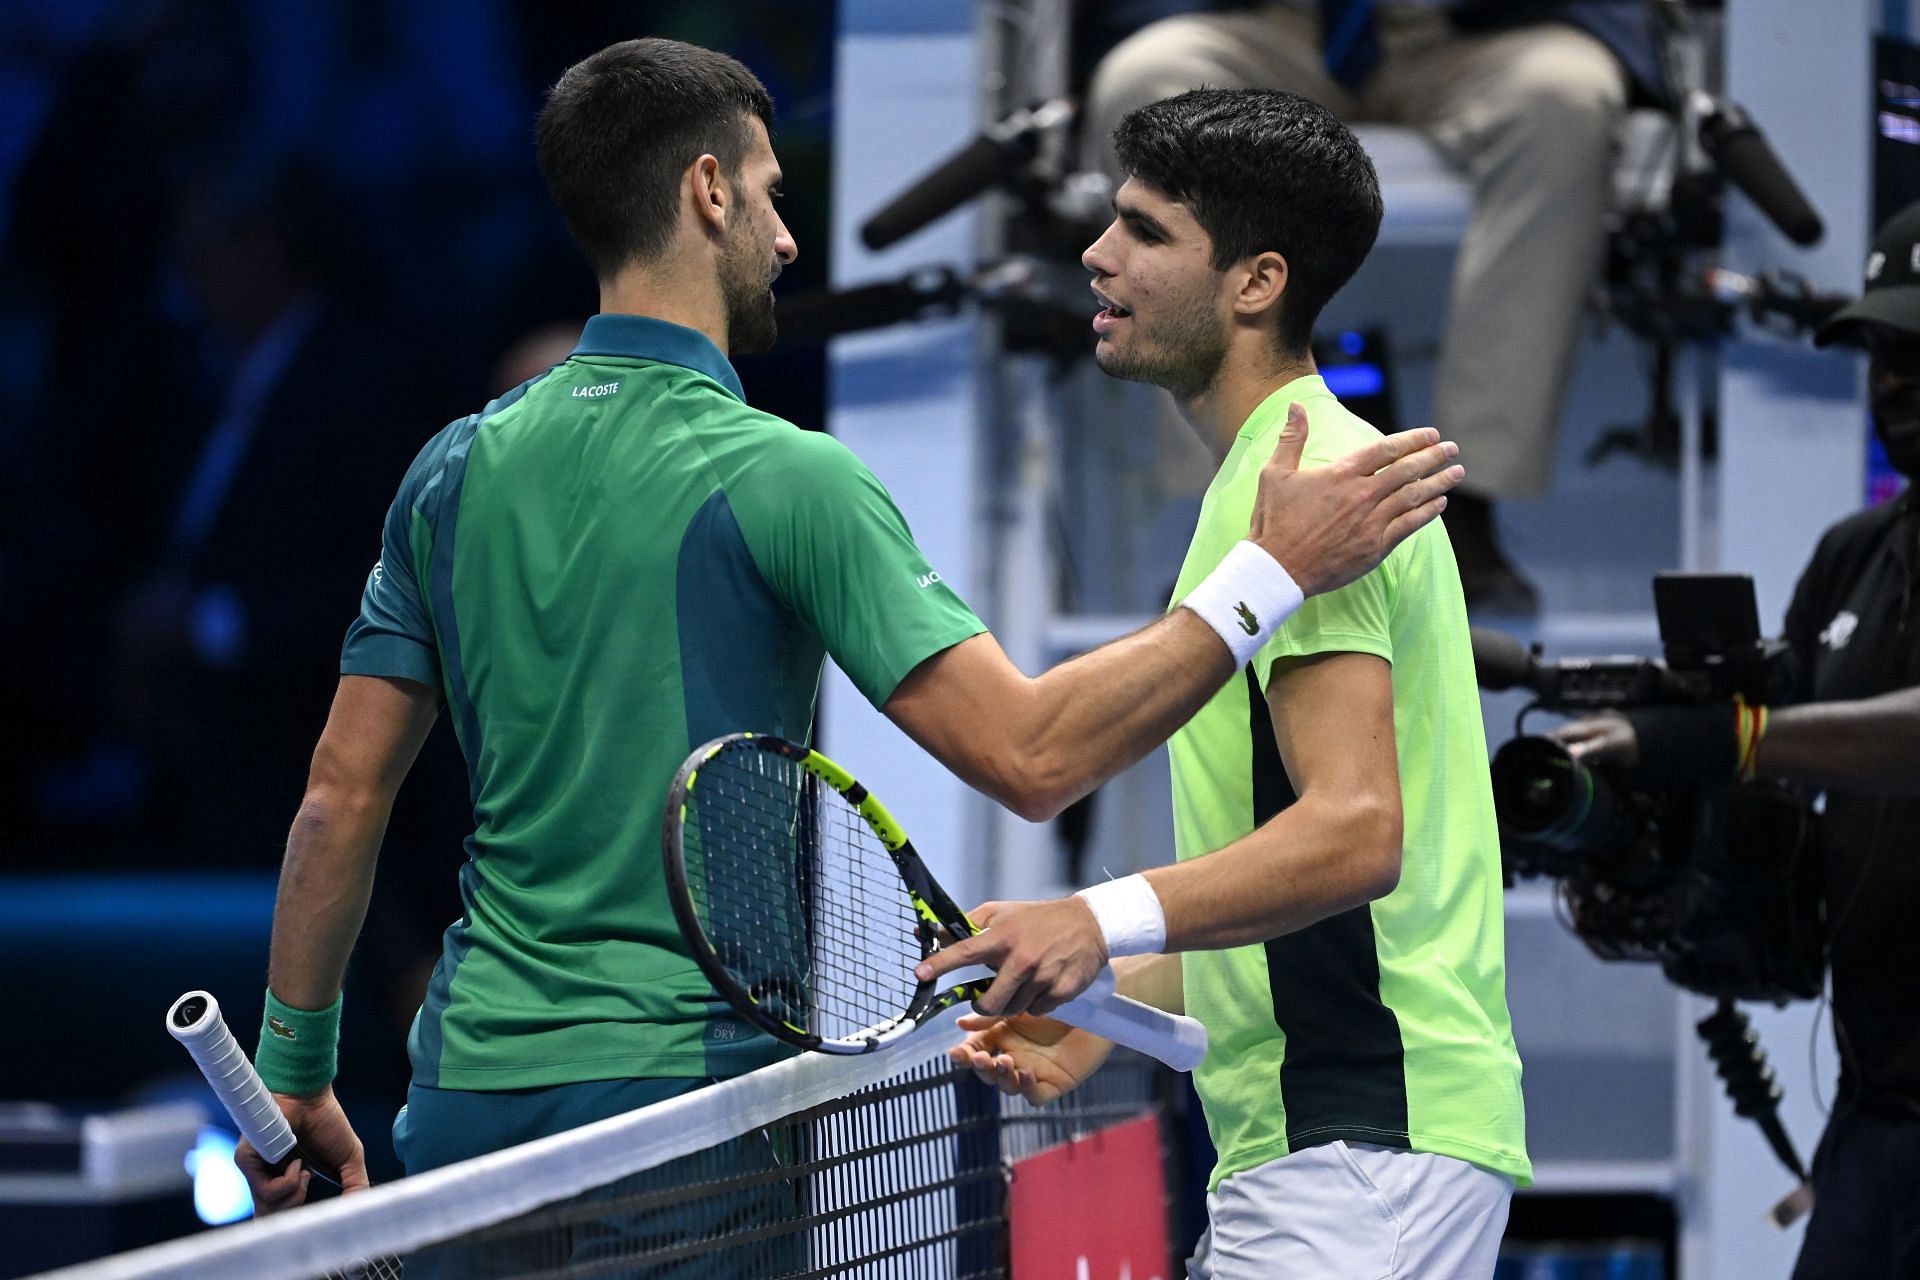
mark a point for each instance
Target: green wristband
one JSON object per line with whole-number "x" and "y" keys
{"x": 298, "y": 1047}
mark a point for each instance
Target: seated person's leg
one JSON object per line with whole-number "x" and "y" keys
{"x": 1531, "y": 115}
{"x": 1273, "y": 47}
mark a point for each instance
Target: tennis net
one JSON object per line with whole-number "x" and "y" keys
{"x": 889, "y": 1165}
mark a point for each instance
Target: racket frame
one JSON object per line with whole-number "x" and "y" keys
{"x": 1175, "y": 1039}
{"x": 930, "y": 902}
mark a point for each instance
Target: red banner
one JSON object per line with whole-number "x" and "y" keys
{"x": 1095, "y": 1209}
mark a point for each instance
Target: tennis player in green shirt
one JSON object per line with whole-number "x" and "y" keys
{"x": 621, "y": 559}
{"x": 1337, "y": 894}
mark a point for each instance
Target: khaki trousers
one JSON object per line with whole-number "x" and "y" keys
{"x": 1528, "y": 115}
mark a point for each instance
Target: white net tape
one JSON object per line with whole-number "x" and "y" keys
{"x": 450, "y": 1202}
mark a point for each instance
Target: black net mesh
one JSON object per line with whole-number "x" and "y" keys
{"x": 905, "y": 1179}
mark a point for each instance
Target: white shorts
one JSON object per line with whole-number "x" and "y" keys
{"x": 1353, "y": 1211}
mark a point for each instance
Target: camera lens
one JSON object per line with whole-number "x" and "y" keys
{"x": 1546, "y": 799}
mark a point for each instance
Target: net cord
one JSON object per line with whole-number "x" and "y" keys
{"x": 449, "y": 1202}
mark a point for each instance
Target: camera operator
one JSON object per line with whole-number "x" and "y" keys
{"x": 1848, "y": 722}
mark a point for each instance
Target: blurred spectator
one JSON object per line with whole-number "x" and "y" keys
{"x": 95, "y": 435}
{"x": 1523, "y": 95}
{"x": 223, "y": 648}
{"x": 533, "y": 353}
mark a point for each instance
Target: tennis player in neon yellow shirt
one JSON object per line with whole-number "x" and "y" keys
{"x": 1337, "y": 894}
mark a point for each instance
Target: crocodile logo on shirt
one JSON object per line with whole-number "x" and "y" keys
{"x": 1248, "y": 623}
{"x": 281, "y": 1029}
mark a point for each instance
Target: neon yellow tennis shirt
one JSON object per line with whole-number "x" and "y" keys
{"x": 1385, "y": 1024}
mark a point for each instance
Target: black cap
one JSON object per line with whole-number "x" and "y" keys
{"x": 1891, "y": 295}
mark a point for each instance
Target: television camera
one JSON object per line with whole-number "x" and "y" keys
{"x": 1718, "y": 884}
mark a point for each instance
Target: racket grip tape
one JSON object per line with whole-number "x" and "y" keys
{"x": 195, "y": 1022}
{"x": 1173, "y": 1038}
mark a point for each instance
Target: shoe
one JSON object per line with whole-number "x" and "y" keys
{"x": 1487, "y": 578}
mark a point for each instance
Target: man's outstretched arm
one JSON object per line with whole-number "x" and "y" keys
{"x": 373, "y": 733}
{"x": 1037, "y": 744}
{"x": 1336, "y": 847}
{"x": 1868, "y": 745}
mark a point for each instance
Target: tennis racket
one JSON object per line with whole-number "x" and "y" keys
{"x": 196, "y": 1022}
{"x": 807, "y": 907}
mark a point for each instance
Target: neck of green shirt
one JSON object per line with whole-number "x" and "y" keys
{"x": 681, "y": 295}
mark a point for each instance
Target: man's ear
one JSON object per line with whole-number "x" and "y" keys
{"x": 1262, "y": 280}
{"x": 709, "y": 193}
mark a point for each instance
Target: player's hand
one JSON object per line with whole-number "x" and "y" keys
{"x": 1600, "y": 740}
{"x": 321, "y": 1128}
{"x": 1043, "y": 954}
{"x": 1036, "y": 1058}
{"x": 1329, "y": 525}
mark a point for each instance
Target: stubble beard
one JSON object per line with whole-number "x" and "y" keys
{"x": 1186, "y": 348}
{"x": 746, "y": 294}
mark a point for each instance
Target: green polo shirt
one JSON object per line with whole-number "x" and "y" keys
{"x": 1385, "y": 1024}
{"x": 602, "y": 569}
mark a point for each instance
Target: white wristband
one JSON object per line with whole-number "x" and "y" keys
{"x": 1245, "y": 599}
{"x": 1130, "y": 916}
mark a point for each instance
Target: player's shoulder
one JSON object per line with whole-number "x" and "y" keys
{"x": 429, "y": 465}
{"x": 452, "y": 441}
{"x": 782, "y": 448}
{"x": 769, "y": 462}
{"x": 1334, "y": 431}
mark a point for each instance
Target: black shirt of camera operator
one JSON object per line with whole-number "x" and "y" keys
{"x": 1855, "y": 634}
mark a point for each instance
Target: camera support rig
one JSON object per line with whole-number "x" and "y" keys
{"x": 1654, "y": 283}
{"x": 1712, "y": 883}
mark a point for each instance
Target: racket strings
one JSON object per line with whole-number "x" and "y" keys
{"x": 798, "y": 895}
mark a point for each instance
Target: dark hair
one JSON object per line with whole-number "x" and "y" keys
{"x": 1260, "y": 170}
{"x": 620, "y": 127}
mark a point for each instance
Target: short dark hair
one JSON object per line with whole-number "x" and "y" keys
{"x": 1261, "y": 169}
{"x": 620, "y": 127}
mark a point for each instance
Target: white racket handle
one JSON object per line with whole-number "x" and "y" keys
{"x": 195, "y": 1022}
{"x": 1174, "y": 1038}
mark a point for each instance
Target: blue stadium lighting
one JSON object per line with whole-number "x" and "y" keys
{"x": 1352, "y": 343}
{"x": 1354, "y": 381}
{"x": 1898, "y": 128}
{"x": 220, "y": 1191}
